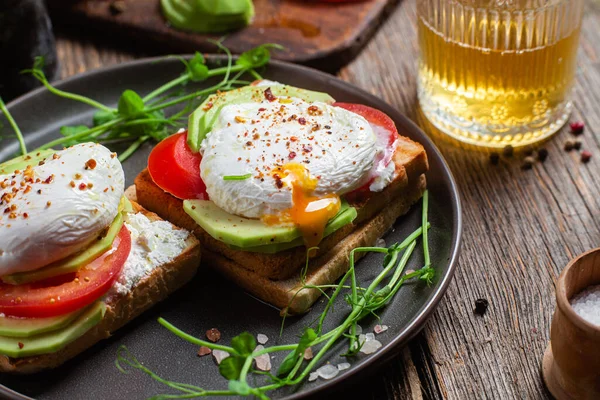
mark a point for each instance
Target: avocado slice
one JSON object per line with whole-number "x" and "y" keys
{"x": 343, "y": 218}
{"x": 75, "y": 261}
{"x": 206, "y": 16}
{"x": 53, "y": 341}
{"x": 245, "y": 233}
{"x": 27, "y": 327}
{"x": 203, "y": 118}
{"x": 21, "y": 162}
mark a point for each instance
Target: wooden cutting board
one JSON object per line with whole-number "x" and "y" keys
{"x": 323, "y": 35}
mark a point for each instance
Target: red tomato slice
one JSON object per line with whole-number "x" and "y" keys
{"x": 70, "y": 292}
{"x": 176, "y": 169}
{"x": 382, "y": 125}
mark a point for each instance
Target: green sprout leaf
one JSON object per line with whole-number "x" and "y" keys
{"x": 130, "y": 104}
{"x": 244, "y": 344}
{"x": 197, "y": 69}
{"x": 258, "y": 56}
{"x": 241, "y": 388}
{"x": 72, "y": 130}
{"x": 427, "y": 275}
{"x": 292, "y": 358}
{"x": 231, "y": 367}
{"x": 101, "y": 117}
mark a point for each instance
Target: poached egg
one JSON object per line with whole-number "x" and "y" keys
{"x": 52, "y": 210}
{"x": 287, "y": 161}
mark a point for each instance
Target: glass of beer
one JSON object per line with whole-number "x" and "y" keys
{"x": 498, "y": 72}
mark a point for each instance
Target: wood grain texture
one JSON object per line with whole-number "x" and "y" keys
{"x": 520, "y": 229}
{"x": 325, "y": 36}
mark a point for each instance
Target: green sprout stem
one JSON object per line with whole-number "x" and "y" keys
{"x": 15, "y": 127}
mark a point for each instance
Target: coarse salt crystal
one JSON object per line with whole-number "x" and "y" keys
{"x": 343, "y": 366}
{"x": 313, "y": 376}
{"x": 380, "y": 243}
{"x": 369, "y": 337}
{"x": 263, "y": 362}
{"x": 219, "y": 355}
{"x": 370, "y": 346}
{"x": 262, "y": 339}
{"x": 358, "y": 329}
{"x": 587, "y": 304}
{"x": 380, "y": 329}
{"x": 328, "y": 371}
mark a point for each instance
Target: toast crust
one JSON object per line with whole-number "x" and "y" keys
{"x": 410, "y": 160}
{"x": 152, "y": 289}
{"x": 288, "y": 294}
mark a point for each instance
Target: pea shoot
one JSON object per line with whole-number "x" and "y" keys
{"x": 294, "y": 369}
{"x": 138, "y": 119}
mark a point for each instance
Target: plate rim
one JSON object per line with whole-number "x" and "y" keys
{"x": 387, "y": 351}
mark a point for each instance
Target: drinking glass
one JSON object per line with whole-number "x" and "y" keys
{"x": 498, "y": 72}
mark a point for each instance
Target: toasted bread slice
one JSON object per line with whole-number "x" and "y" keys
{"x": 288, "y": 294}
{"x": 410, "y": 160}
{"x": 150, "y": 290}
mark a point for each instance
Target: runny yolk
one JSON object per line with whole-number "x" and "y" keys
{"x": 308, "y": 213}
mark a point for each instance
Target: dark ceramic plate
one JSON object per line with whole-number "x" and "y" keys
{"x": 210, "y": 301}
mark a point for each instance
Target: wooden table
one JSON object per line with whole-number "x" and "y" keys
{"x": 520, "y": 230}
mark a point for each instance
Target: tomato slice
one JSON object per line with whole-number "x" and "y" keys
{"x": 70, "y": 292}
{"x": 387, "y": 133}
{"x": 176, "y": 169}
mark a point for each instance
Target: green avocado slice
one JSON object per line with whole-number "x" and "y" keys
{"x": 343, "y": 218}
{"x": 203, "y": 118}
{"x": 71, "y": 263}
{"x": 27, "y": 327}
{"x": 53, "y": 341}
{"x": 21, "y": 162}
{"x": 245, "y": 233}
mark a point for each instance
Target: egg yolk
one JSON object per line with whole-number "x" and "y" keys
{"x": 308, "y": 212}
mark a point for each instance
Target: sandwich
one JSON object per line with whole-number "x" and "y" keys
{"x": 269, "y": 175}
{"x": 78, "y": 260}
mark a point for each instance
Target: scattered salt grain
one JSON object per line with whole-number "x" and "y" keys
{"x": 308, "y": 354}
{"x": 371, "y": 345}
{"x": 358, "y": 329}
{"x": 262, "y": 339}
{"x": 313, "y": 376}
{"x": 380, "y": 329}
{"x": 328, "y": 371}
{"x": 263, "y": 362}
{"x": 203, "y": 351}
{"x": 343, "y": 366}
{"x": 587, "y": 304}
{"x": 380, "y": 243}
{"x": 219, "y": 355}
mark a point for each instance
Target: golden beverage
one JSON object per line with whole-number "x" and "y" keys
{"x": 498, "y": 72}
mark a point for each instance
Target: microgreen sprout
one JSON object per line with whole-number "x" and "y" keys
{"x": 236, "y": 177}
{"x": 363, "y": 301}
{"x": 138, "y": 119}
{"x": 15, "y": 127}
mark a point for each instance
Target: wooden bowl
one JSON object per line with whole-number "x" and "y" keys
{"x": 571, "y": 365}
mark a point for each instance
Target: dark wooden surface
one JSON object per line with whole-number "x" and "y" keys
{"x": 322, "y": 35}
{"x": 520, "y": 230}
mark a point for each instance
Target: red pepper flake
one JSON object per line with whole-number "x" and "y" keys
{"x": 307, "y": 148}
{"x": 294, "y": 139}
{"x": 21, "y": 345}
{"x": 586, "y": 156}
{"x": 577, "y": 127}
{"x": 49, "y": 179}
{"x": 72, "y": 184}
{"x": 208, "y": 106}
{"x": 6, "y": 210}
{"x": 278, "y": 181}
{"x": 314, "y": 110}
{"x": 292, "y": 155}
{"x": 90, "y": 185}
{"x": 204, "y": 351}
{"x": 248, "y": 143}
{"x": 105, "y": 190}
{"x": 3, "y": 185}
{"x": 25, "y": 215}
{"x": 302, "y": 121}
{"x": 55, "y": 156}
{"x": 262, "y": 109}
{"x": 48, "y": 204}
{"x": 82, "y": 186}
{"x": 269, "y": 95}
{"x": 213, "y": 335}
{"x": 41, "y": 163}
